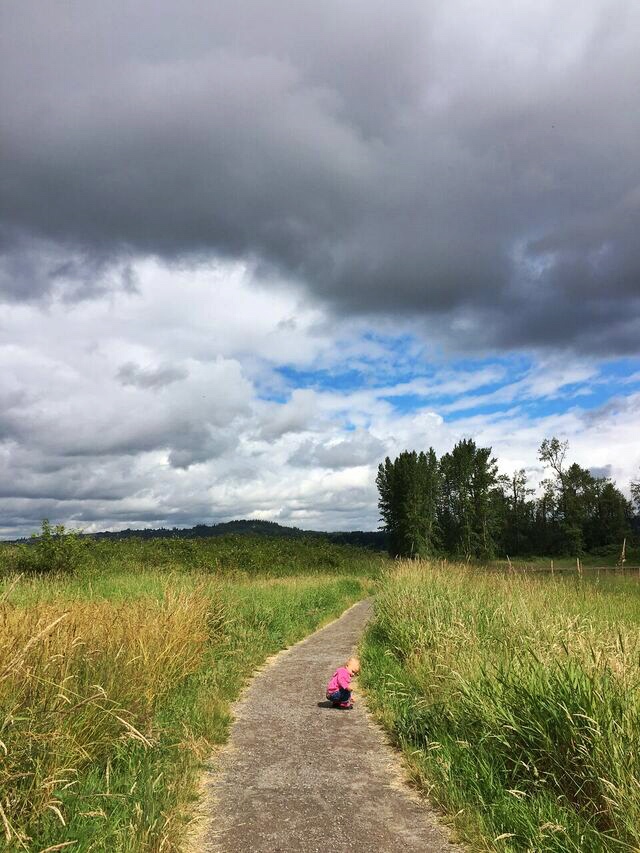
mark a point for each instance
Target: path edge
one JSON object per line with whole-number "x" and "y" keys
{"x": 199, "y": 825}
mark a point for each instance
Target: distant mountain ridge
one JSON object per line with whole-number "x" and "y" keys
{"x": 247, "y": 527}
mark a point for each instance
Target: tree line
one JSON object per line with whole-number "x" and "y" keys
{"x": 461, "y": 506}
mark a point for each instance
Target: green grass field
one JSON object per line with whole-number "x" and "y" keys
{"x": 515, "y": 696}
{"x": 116, "y": 680}
{"x": 516, "y": 700}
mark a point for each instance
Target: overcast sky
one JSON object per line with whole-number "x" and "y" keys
{"x": 249, "y": 249}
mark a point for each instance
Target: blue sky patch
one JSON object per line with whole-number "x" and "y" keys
{"x": 401, "y": 374}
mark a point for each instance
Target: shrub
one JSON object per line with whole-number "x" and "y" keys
{"x": 53, "y": 550}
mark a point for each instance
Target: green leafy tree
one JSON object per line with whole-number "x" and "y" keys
{"x": 589, "y": 512}
{"x": 610, "y": 519}
{"x": 468, "y": 507}
{"x": 579, "y": 502}
{"x": 408, "y": 490}
{"x": 518, "y": 513}
{"x": 545, "y": 535}
{"x": 564, "y": 485}
{"x": 460, "y": 505}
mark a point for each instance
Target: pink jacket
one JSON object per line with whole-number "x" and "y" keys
{"x": 340, "y": 678}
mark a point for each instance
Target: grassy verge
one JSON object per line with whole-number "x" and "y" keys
{"x": 114, "y": 686}
{"x": 516, "y": 701}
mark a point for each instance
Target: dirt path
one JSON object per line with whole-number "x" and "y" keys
{"x": 300, "y": 777}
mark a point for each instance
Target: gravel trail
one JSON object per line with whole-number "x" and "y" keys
{"x": 300, "y": 777}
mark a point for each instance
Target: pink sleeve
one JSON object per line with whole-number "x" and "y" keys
{"x": 344, "y": 677}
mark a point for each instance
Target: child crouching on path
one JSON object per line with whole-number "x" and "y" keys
{"x": 339, "y": 687}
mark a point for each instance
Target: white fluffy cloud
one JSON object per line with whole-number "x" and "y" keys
{"x": 203, "y": 396}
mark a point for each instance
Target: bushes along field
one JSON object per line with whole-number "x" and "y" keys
{"x": 516, "y": 700}
{"x": 279, "y": 557}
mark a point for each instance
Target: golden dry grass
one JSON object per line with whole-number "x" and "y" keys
{"x": 115, "y": 686}
{"x": 75, "y": 681}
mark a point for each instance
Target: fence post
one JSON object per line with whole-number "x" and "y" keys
{"x": 623, "y": 554}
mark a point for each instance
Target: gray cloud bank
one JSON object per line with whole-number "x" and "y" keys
{"x": 473, "y": 165}
{"x": 131, "y": 373}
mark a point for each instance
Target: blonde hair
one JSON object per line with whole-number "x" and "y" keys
{"x": 353, "y": 664}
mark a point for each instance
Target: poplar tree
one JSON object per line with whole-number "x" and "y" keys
{"x": 408, "y": 495}
{"x": 468, "y": 509}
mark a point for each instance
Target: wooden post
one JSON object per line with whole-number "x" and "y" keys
{"x": 623, "y": 554}
{"x": 552, "y": 572}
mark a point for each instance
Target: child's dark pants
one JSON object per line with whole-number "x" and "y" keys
{"x": 341, "y": 696}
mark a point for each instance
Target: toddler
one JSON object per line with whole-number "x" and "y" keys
{"x": 339, "y": 687}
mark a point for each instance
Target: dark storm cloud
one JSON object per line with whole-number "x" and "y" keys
{"x": 471, "y": 163}
{"x": 33, "y": 268}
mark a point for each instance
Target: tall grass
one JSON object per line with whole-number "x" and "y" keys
{"x": 114, "y": 687}
{"x": 80, "y": 684}
{"x": 517, "y": 702}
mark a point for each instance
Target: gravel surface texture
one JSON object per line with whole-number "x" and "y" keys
{"x": 300, "y": 776}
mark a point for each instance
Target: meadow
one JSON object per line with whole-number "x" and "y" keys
{"x": 514, "y": 696}
{"x": 516, "y": 701}
{"x": 117, "y": 672}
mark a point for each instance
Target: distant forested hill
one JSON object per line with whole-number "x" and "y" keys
{"x": 364, "y": 538}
